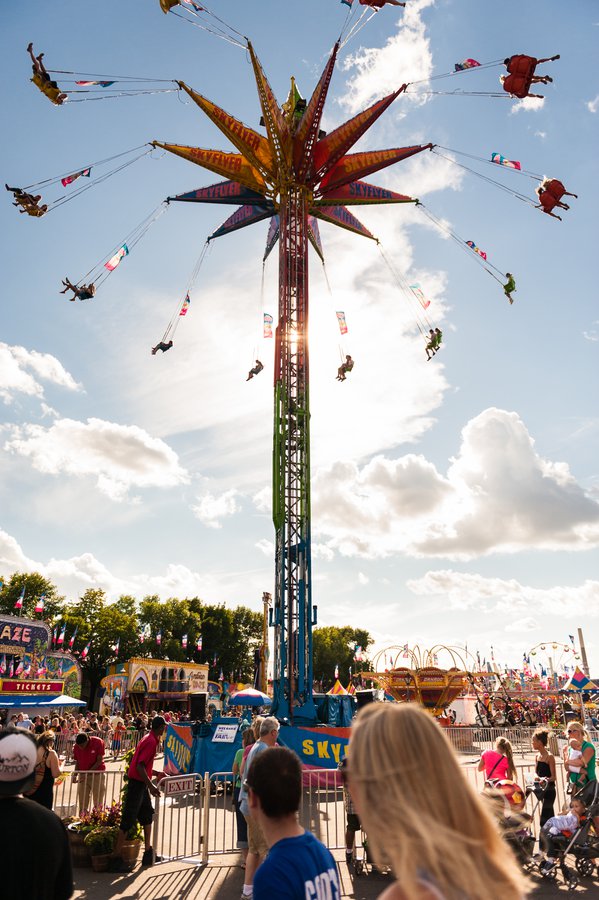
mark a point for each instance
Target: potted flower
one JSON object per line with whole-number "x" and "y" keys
{"x": 132, "y": 844}
{"x": 100, "y": 842}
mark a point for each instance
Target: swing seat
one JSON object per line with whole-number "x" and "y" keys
{"x": 522, "y": 65}
{"x": 517, "y": 85}
{"x": 555, "y": 189}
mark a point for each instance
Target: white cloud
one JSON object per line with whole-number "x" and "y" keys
{"x": 22, "y": 370}
{"x": 528, "y": 104}
{"x": 508, "y": 597}
{"x": 120, "y": 457}
{"x": 593, "y": 105}
{"x": 75, "y": 575}
{"x": 363, "y": 579}
{"x": 406, "y": 56}
{"x": 265, "y": 547}
{"x": 498, "y": 495}
{"x": 211, "y": 508}
{"x": 592, "y": 334}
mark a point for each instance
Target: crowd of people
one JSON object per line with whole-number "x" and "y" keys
{"x": 404, "y": 788}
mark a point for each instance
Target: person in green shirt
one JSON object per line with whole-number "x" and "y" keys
{"x": 509, "y": 287}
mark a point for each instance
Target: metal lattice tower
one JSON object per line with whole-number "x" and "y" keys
{"x": 294, "y": 175}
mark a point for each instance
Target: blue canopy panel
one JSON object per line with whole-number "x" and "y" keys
{"x": 223, "y": 192}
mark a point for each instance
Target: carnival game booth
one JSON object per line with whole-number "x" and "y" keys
{"x": 33, "y": 676}
{"x": 143, "y": 685}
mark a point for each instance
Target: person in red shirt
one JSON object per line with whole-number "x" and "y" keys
{"x": 88, "y": 752}
{"x": 137, "y": 805}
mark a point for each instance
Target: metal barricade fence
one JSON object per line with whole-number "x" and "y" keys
{"x": 180, "y": 821}
{"x": 64, "y": 741}
{"x": 97, "y": 788}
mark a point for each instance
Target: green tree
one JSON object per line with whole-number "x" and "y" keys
{"x": 34, "y": 585}
{"x": 102, "y": 624}
{"x": 334, "y": 646}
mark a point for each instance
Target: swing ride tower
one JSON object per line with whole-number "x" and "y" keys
{"x": 294, "y": 175}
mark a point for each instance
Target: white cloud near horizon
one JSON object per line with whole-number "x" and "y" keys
{"x": 22, "y": 370}
{"x": 75, "y": 575}
{"x": 508, "y": 597}
{"x": 119, "y": 457}
{"x": 498, "y": 495}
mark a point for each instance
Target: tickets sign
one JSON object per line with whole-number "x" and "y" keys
{"x": 14, "y": 686}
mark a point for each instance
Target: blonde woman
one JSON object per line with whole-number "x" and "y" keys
{"x": 498, "y": 764}
{"x": 586, "y": 760}
{"x": 420, "y": 813}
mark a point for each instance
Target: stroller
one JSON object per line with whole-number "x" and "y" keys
{"x": 583, "y": 845}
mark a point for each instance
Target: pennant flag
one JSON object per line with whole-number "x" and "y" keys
{"x": 571, "y": 636}
{"x": 476, "y": 249}
{"x": 272, "y": 237}
{"x": 54, "y": 636}
{"x": 118, "y": 256}
{"x": 503, "y": 161}
{"x": 214, "y": 660}
{"x": 199, "y": 643}
{"x": 142, "y": 636}
{"x": 11, "y": 669}
{"x": 88, "y": 84}
{"x": 267, "y": 325}
{"x": 418, "y": 293}
{"x": 85, "y": 650}
{"x": 466, "y": 64}
{"x": 27, "y": 669}
{"x": 62, "y": 634}
{"x": 115, "y": 647}
{"x": 184, "y": 641}
{"x": 39, "y": 606}
{"x": 3, "y": 664}
{"x": 406, "y": 652}
{"x": 159, "y": 637}
{"x": 342, "y": 322}
{"x": 69, "y": 179}
{"x": 19, "y": 669}
{"x": 72, "y": 638}
{"x": 19, "y": 603}
{"x": 336, "y": 672}
{"x": 185, "y": 305}
{"x": 221, "y": 677}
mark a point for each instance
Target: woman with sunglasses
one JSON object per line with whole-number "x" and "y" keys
{"x": 420, "y": 813}
{"x": 583, "y": 764}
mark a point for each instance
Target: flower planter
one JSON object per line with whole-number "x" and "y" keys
{"x": 100, "y": 862}
{"x": 130, "y": 852}
{"x": 80, "y": 855}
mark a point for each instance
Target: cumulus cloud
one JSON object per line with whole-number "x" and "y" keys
{"x": 498, "y": 495}
{"x": 21, "y": 372}
{"x": 405, "y": 57}
{"x": 211, "y": 508}
{"x": 527, "y": 104}
{"x": 593, "y": 333}
{"x": 73, "y": 576}
{"x": 119, "y": 457}
{"x": 593, "y": 105}
{"x": 508, "y": 597}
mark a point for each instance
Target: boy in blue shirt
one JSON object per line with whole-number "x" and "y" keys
{"x": 298, "y": 866}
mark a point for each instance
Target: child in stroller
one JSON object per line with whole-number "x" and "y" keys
{"x": 571, "y": 833}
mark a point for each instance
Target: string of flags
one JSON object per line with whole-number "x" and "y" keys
{"x": 476, "y": 249}
{"x": 69, "y": 179}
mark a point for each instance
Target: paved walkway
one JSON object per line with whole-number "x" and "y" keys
{"x": 222, "y": 879}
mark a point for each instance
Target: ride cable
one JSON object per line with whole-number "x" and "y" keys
{"x": 342, "y": 353}
{"x": 99, "y": 273}
{"x": 487, "y": 266}
{"x": 225, "y": 33}
{"x": 422, "y": 320}
{"x": 182, "y": 304}
{"x": 502, "y": 187}
{"x": 65, "y": 198}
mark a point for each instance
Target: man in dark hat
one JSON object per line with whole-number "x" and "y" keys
{"x": 34, "y": 848}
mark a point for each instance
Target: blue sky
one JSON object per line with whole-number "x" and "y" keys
{"x": 453, "y": 500}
